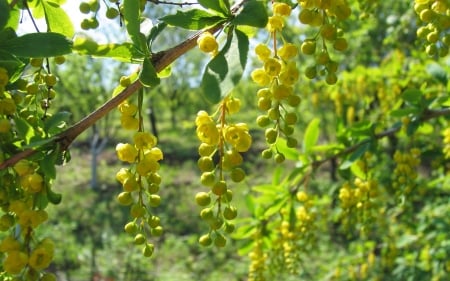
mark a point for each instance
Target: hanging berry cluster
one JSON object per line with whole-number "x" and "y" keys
{"x": 141, "y": 181}
{"x": 25, "y": 190}
{"x": 277, "y": 76}
{"x": 222, "y": 144}
{"x": 435, "y": 21}
{"x": 327, "y": 16}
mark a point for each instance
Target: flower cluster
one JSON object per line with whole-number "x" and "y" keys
{"x": 207, "y": 43}
{"x": 141, "y": 181}
{"x": 226, "y": 141}
{"x": 277, "y": 76}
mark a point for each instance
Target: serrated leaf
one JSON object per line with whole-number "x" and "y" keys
{"x": 41, "y": 201}
{"x": 56, "y": 122}
{"x": 50, "y": 45}
{"x": 154, "y": 32}
{"x": 57, "y": 19}
{"x": 131, "y": 17}
{"x": 289, "y": 153}
{"x": 254, "y": 13}
{"x": 24, "y": 130}
{"x": 438, "y": 73}
{"x": 225, "y": 70}
{"x": 194, "y": 19}
{"x": 243, "y": 47}
{"x": 311, "y": 135}
{"x": 404, "y": 112}
{"x": 53, "y": 197}
{"x": 413, "y": 96}
{"x": 4, "y": 13}
{"x": 14, "y": 18}
{"x": 125, "y": 52}
{"x": 12, "y": 64}
{"x": 221, "y": 6}
{"x": 276, "y": 206}
{"x": 148, "y": 76}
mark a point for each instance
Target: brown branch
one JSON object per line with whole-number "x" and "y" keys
{"x": 181, "y": 4}
{"x": 160, "y": 61}
{"x": 427, "y": 115}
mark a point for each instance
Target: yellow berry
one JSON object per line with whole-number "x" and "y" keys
{"x": 207, "y": 43}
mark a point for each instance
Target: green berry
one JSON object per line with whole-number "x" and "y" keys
{"x": 208, "y": 178}
{"x": 139, "y": 239}
{"x": 153, "y": 221}
{"x": 266, "y": 153}
{"x": 230, "y": 212}
{"x": 202, "y": 199}
{"x": 157, "y": 231}
{"x": 207, "y": 214}
{"x": 205, "y": 240}
{"x": 112, "y": 13}
{"x": 237, "y": 174}
{"x": 220, "y": 241}
{"x": 131, "y": 228}
{"x": 205, "y": 164}
{"x": 84, "y": 8}
{"x": 219, "y": 188}
{"x": 147, "y": 251}
{"x": 154, "y": 200}
{"x": 125, "y": 198}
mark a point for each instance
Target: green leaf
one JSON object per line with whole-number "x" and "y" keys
{"x": 131, "y": 16}
{"x": 311, "y": 135}
{"x": 438, "y": 73}
{"x": 404, "y": 112}
{"x": 194, "y": 19}
{"x": 4, "y": 13}
{"x": 413, "y": 96}
{"x": 41, "y": 201}
{"x": 254, "y": 13}
{"x": 148, "y": 76}
{"x": 14, "y": 18}
{"x": 12, "y": 64}
{"x": 225, "y": 70}
{"x": 53, "y": 197}
{"x": 221, "y": 6}
{"x": 357, "y": 154}
{"x": 50, "y": 45}
{"x": 125, "y": 52}
{"x": 276, "y": 206}
{"x": 57, "y": 19}
{"x": 47, "y": 165}
{"x": 243, "y": 47}
{"x": 289, "y": 153}
{"x": 56, "y": 122}
{"x": 154, "y": 32}
{"x": 24, "y": 130}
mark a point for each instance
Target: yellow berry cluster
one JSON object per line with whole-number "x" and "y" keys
{"x": 207, "y": 43}
{"x": 7, "y": 103}
{"x": 295, "y": 232}
{"x": 434, "y": 16}
{"x": 446, "y": 143}
{"x": 258, "y": 260}
{"x": 24, "y": 255}
{"x": 327, "y": 16}
{"x": 220, "y": 155}
{"x": 405, "y": 172}
{"x": 277, "y": 76}
{"x": 141, "y": 181}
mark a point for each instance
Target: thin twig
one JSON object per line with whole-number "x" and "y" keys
{"x": 160, "y": 61}
{"x": 181, "y": 4}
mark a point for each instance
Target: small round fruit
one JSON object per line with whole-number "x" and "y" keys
{"x": 112, "y": 13}
{"x": 230, "y": 212}
{"x": 220, "y": 241}
{"x": 237, "y": 175}
{"x": 157, "y": 231}
{"x": 84, "y": 8}
{"x": 148, "y": 249}
{"x": 60, "y": 59}
{"x": 154, "y": 200}
{"x": 205, "y": 240}
{"x": 202, "y": 199}
{"x": 207, "y": 214}
{"x": 124, "y": 198}
{"x": 131, "y": 228}
{"x": 219, "y": 188}
{"x": 308, "y": 47}
{"x": 139, "y": 239}
{"x": 153, "y": 221}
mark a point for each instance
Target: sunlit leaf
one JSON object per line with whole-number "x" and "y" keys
{"x": 57, "y": 19}
{"x": 254, "y": 13}
{"x": 311, "y": 135}
{"x": 194, "y": 19}
{"x": 50, "y": 45}
{"x": 148, "y": 76}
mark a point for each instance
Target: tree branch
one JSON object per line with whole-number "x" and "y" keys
{"x": 160, "y": 61}
{"x": 427, "y": 115}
